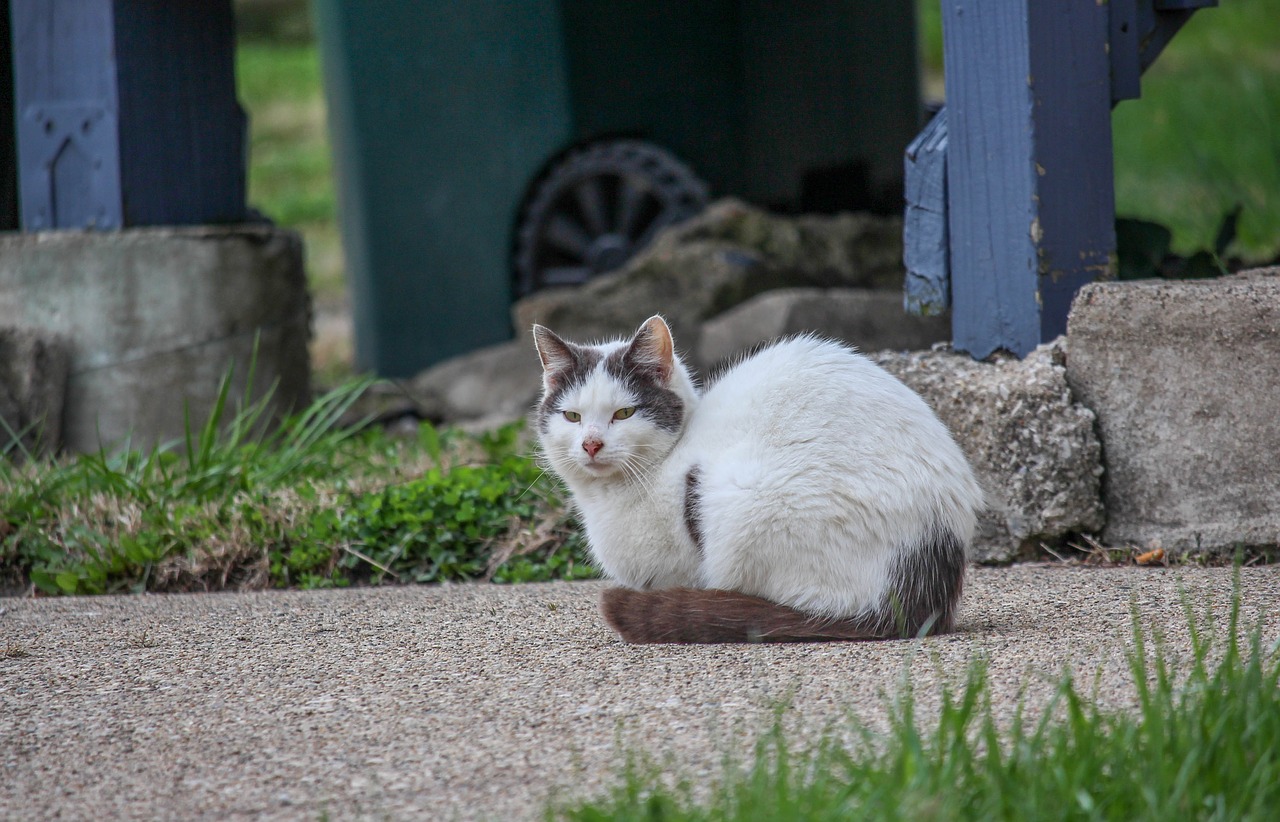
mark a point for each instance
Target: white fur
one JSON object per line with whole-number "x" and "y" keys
{"x": 817, "y": 468}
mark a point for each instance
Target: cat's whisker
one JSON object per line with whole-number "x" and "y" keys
{"x": 642, "y": 478}
{"x": 542, "y": 473}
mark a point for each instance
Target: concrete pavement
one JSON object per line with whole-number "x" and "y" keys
{"x": 482, "y": 701}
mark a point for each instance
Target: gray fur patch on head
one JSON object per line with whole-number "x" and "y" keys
{"x": 659, "y": 404}
{"x": 581, "y": 362}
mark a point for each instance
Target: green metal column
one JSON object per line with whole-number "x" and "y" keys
{"x": 440, "y": 114}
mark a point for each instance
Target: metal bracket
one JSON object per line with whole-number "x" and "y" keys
{"x": 1140, "y": 29}
{"x": 70, "y": 174}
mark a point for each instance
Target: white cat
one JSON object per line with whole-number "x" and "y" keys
{"x": 805, "y": 494}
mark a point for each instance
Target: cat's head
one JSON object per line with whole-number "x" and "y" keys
{"x": 612, "y": 410}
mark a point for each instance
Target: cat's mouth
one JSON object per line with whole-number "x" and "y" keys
{"x": 598, "y": 468}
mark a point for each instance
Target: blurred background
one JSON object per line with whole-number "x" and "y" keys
{"x": 1203, "y": 142}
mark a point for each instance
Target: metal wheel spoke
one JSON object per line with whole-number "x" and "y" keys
{"x": 568, "y": 236}
{"x": 630, "y": 197}
{"x": 650, "y": 230}
{"x": 591, "y": 200}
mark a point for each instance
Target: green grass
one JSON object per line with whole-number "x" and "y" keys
{"x": 290, "y": 164}
{"x": 309, "y": 503}
{"x": 1203, "y": 743}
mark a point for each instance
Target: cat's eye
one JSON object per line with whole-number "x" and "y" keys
{"x": 573, "y": 416}
{"x": 623, "y": 413}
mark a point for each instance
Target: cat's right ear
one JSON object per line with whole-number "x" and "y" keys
{"x": 652, "y": 351}
{"x": 558, "y": 357}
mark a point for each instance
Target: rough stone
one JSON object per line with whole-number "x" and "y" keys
{"x": 33, "y": 383}
{"x": 489, "y": 386}
{"x": 726, "y": 255}
{"x": 1185, "y": 379}
{"x": 156, "y": 317}
{"x": 1031, "y": 444}
{"x": 869, "y": 320}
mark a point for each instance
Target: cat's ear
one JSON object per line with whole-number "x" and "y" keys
{"x": 653, "y": 351}
{"x": 558, "y": 357}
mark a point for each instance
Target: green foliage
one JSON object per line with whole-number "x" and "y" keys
{"x": 290, "y": 174}
{"x": 1201, "y": 745}
{"x": 1144, "y": 249}
{"x": 1203, "y": 136}
{"x": 441, "y": 526}
{"x": 101, "y": 522}
{"x": 287, "y": 506}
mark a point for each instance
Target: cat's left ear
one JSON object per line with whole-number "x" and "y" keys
{"x": 653, "y": 351}
{"x": 558, "y": 357}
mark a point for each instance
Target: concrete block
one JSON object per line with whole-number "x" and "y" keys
{"x": 33, "y": 383}
{"x": 1032, "y": 445}
{"x": 1185, "y": 379}
{"x": 868, "y": 320}
{"x": 155, "y": 317}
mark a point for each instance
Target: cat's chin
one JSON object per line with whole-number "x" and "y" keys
{"x": 598, "y": 470}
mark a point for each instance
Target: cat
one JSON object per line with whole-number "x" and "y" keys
{"x": 805, "y": 494}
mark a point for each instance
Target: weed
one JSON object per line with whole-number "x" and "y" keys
{"x": 142, "y": 639}
{"x": 14, "y": 650}
{"x": 103, "y": 521}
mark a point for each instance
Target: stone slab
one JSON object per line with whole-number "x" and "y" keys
{"x": 489, "y": 386}
{"x": 155, "y": 318}
{"x": 1185, "y": 379}
{"x": 869, "y": 320}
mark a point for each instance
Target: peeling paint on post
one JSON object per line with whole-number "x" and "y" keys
{"x": 927, "y": 290}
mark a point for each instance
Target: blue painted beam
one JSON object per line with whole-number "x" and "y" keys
{"x": 1139, "y": 31}
{"x": 1029, "y": 174}
{"x": 925, "y": 241}
{"x": 1020, "y": 171}
{"x": 126, "y": 113}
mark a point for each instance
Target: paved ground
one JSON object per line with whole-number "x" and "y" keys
{"x": 481, "y": 701}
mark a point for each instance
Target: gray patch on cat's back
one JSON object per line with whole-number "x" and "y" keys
{"x": 661, "y": 406}
{"x": 584, "y": 362}
{"x": 693, "y": 508}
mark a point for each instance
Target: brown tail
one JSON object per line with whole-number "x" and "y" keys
{"x": 691, "y": 615}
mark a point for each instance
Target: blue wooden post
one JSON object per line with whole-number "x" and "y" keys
{"x": 1024, "y": 147}
{"x": 126, "y": 113}
{"x": 1029, "y": 174}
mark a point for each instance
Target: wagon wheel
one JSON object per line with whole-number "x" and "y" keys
{"x": 597, "y": 206}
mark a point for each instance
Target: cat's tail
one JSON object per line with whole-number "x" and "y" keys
{"x": 694, "y": 615}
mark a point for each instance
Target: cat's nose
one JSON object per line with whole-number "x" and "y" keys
{"x": 592, "y": 447}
